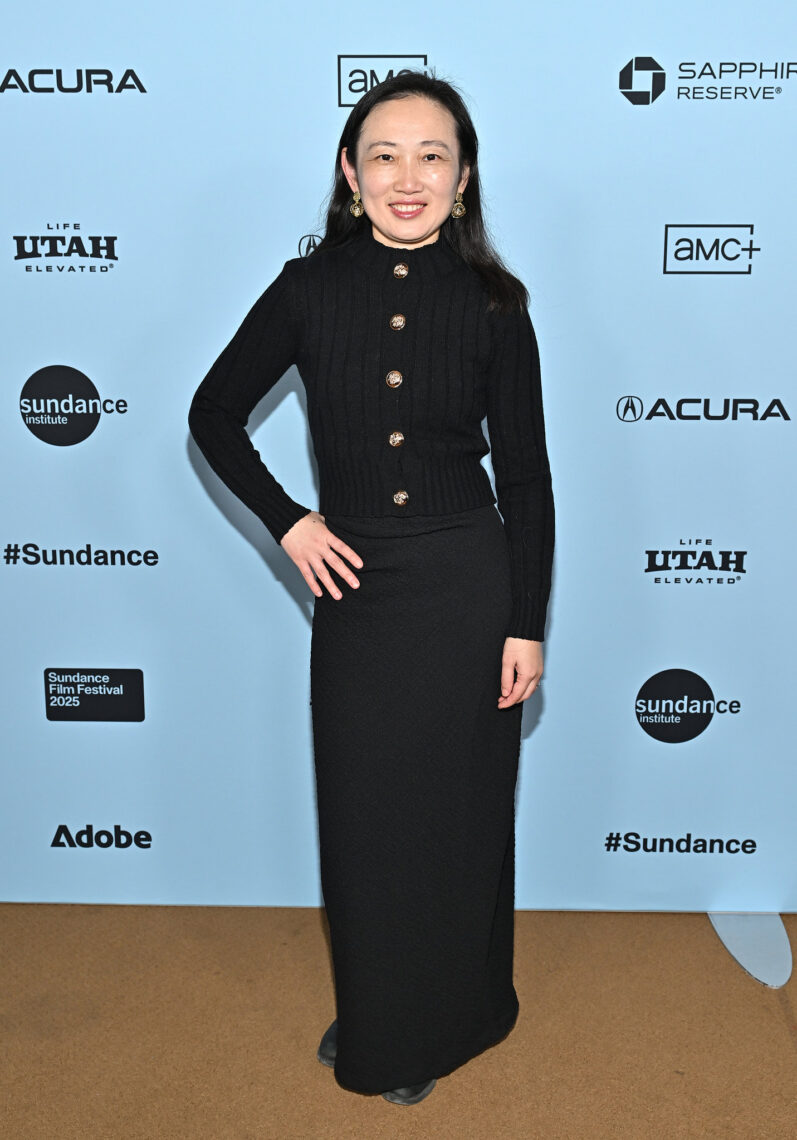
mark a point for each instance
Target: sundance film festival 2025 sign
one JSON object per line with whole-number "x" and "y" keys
{"x": 94, "y": 694}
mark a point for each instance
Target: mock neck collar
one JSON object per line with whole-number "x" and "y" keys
{"x": 427, "y": 261}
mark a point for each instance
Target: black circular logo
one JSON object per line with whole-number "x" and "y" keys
{"x": 308, "y": 244}
{"x": 60, "y": 405}
{"x": 675, "y": 705}
{"x": 654, "y": 75}
{"x": 629, "y": 409}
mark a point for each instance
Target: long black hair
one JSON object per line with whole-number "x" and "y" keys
{"x": 467, "y": 235}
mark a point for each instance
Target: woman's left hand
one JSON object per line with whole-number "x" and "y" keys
{"x": 524, "y": 658}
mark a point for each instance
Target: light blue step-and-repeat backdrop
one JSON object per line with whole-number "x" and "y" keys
{"x": 162, "y": 163}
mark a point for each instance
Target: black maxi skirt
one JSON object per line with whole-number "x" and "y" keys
{"x": 416, "y": 769}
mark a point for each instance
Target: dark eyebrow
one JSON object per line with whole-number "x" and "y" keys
{"x": 424, "y": 142}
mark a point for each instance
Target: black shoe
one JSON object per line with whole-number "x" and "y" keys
{"x": 411, "y": 1094}
{"x": 327, "y": 1050}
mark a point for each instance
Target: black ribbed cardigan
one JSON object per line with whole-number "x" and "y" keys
{"x": 395, "y": 413}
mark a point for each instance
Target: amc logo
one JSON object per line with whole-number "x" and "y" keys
{"x": 719, "y": 248}
{"x": 359, "y": 73}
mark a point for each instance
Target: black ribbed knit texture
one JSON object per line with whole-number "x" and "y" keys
{"x": 329, "y": 314}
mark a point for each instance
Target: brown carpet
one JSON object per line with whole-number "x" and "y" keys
{"x": 203, "y": 1022}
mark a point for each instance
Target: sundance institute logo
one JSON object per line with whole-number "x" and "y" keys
{"x": 677, "y": 705}
{"x": 60, "y": 405}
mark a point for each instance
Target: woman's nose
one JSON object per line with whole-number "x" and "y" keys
{"x": 407, "y": 180}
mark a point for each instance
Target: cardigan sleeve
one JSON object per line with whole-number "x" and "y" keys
{"x": 263, "y": 348}
{"x": 520, "y": 463}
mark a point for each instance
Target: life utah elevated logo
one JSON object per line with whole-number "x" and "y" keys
{"x": 63, "y": 248}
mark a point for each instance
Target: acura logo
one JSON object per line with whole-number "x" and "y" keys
{"x": 629, "y": 408}
{"x": 308, "y": 244}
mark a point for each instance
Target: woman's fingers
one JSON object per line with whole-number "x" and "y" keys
{"x": 331, "y": 558}
{"x": 342, "y": 568}
{"x": 312, "y": 547}
{"x": 346, "y": 550}
{"x": 517, "y": 688}
{"x": 523, "y": 658}
{"x": 322, "y": 573}
{"x": 520, "y": 691}
{"x": 309, "y": 578}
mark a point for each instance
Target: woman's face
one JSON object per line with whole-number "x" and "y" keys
{"x": 407, "y": 169}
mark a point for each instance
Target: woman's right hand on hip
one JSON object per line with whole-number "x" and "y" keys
{"x": 311, "y": 545}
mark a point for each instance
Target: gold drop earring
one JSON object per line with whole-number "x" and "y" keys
{"x": 357, "y": 207}
{"x": 458, "y": 209}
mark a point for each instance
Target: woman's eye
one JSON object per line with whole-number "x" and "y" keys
{"x": 385, "y": 156}
{"x": 432, "y": 156}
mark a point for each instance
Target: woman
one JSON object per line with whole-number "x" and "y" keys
{"x": 407, "y": 330}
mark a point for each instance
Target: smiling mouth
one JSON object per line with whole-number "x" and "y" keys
{"x": 407, "y": 209}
